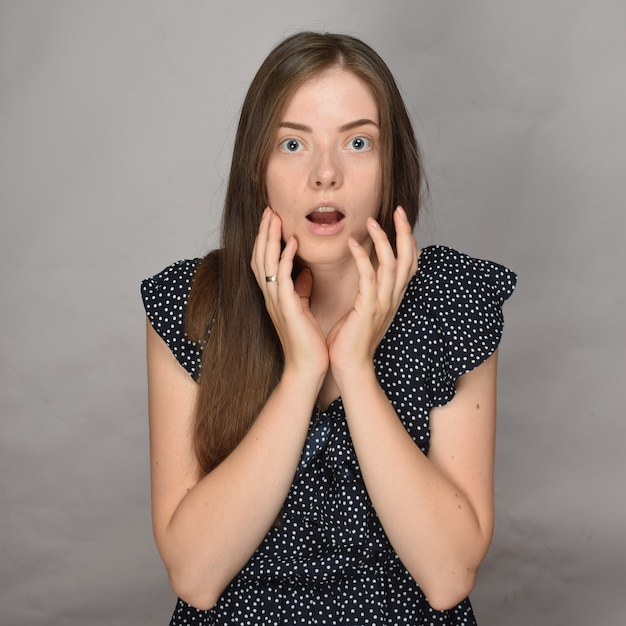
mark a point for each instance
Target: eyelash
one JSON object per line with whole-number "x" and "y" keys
{"x": 287, "y": 144}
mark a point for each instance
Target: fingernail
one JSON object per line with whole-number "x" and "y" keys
{"x": 373, "y": 222}
{"x": 402, "y": 213}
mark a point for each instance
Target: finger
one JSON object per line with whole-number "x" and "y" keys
{"x": 386, "y": 270}
{"x": 285, "y": 265}
{"x": 272, "y": 248}
{"x": 406, "y": 248}
{"x": 405, "y": 241}
{"x": 258, "y": 252}
{"x": 367, "y": 275}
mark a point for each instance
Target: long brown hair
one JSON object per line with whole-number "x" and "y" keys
{"x": 242, "y": 356}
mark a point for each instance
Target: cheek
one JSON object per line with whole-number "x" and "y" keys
{"x": 270, "y": 186}
{"x": 281, "y": 196}
{"x": 371, "y": 183}
{"x": 278, "y": 193}
{"x": 373, "y": 196}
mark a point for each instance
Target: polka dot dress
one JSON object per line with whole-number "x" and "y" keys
{"x": 330, "y": 562}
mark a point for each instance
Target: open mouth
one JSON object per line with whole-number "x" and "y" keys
{"x": 325, "y": 215}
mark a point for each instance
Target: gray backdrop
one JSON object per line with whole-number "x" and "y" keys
{"x": 116, "y": 122}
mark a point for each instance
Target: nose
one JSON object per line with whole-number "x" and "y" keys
{"x": 326, "y": 170}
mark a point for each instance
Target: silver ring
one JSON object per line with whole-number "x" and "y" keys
{"x": 271, "y": 279}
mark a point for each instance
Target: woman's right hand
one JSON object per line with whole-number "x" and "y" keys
{"x": 204, "y": 547}
{"x": 287, "y": 303}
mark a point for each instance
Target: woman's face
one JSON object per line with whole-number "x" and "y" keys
{"x": 324, "y": 170}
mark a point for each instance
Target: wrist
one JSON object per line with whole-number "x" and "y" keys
{"x": 355, "y": 379}
{"x": 303, "y": 384}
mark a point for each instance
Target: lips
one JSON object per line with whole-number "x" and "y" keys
{"x": 325, "y": 215}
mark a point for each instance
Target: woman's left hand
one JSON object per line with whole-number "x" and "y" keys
{"x": 353, "y": 340}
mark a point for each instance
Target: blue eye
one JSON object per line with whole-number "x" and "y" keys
{"x": 360, "y": 143}
{"x": 290, "y": 145}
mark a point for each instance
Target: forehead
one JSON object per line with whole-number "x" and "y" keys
{"x": 335, "y": 91}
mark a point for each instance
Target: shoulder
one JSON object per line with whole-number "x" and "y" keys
{"x": 447, "y": 277}
{"x": 461, "y": 298}
{"x": 165, "y": 297}
{"x": 173, "y": 281}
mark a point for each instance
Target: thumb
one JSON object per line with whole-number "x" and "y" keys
{"x": 304, "y": 283}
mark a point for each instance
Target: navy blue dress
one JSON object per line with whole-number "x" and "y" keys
{"x": 330, "y": 561}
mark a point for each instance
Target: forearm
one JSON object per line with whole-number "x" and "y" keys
{"x": 221, "y": 521}
{"x": 430, "y": 522}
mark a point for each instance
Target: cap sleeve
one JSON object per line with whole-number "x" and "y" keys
{"x": 464, "y": 297}
{"x": 165, "y": 297}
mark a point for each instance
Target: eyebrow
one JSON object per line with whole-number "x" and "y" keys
{"x": 342, "y": 129}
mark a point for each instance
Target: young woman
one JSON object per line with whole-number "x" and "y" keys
{"x": 322, "y": 394}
